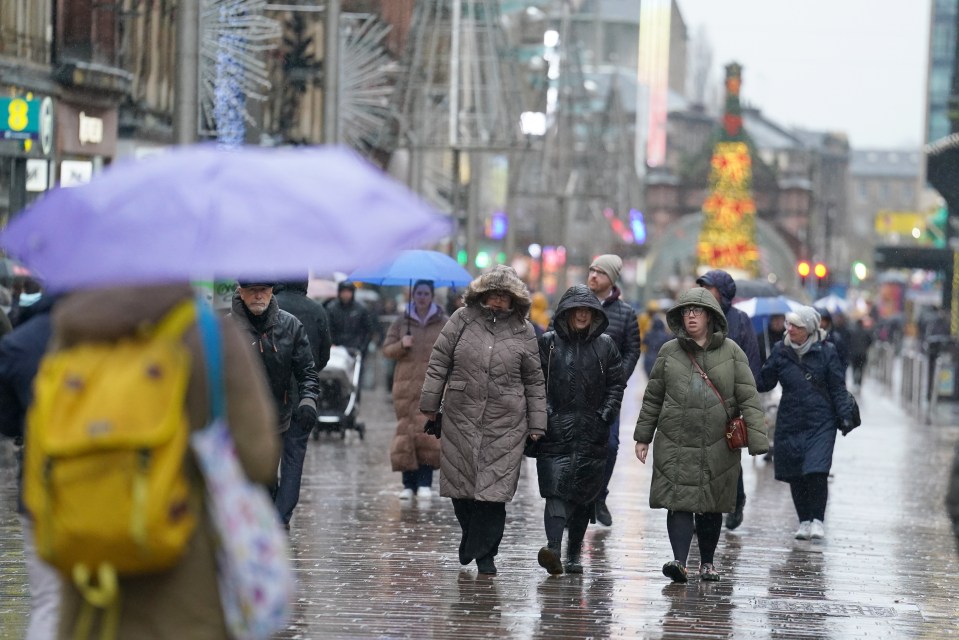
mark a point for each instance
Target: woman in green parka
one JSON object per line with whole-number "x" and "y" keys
{"x": 694, "y": 472}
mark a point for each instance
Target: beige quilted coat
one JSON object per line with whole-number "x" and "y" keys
{"x": 495, "y": 398}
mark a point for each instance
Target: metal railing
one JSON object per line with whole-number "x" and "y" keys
{"x": 883, "y": 363}
{"x": 914, "y": 380}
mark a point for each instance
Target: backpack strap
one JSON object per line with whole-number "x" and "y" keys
{"x": 213, "y": 353}
{"x": 175, "y": 323}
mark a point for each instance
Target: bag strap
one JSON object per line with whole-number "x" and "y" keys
{"x": 213, "y": 353}
{"x": 703, "y": 375}
{"x": 449, "y": 371}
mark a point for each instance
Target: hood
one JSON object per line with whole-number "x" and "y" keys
{"x": 504, "y": 278}
{"x": 293, "y": 286}
{"x": 697, "y": 297}
{"x": 579, "y": 296}
{"x": 722, "y": 281}
{"x": 108, "y": 314}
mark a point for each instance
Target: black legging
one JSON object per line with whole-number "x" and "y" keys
{"x": 810, "y": 493}
{"x": 682, "y": 524}
{"x": 576, "y": 518}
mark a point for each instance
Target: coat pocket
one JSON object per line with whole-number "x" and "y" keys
{"x": 456, "y": 385}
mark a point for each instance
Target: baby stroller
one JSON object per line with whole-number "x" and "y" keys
{"x": 339, "y": 394}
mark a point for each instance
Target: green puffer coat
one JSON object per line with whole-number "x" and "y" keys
{"x": 693, "y": 469}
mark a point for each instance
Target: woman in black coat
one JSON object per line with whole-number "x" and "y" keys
{"x": 814, "y": 406}
{"x": 584, "y": 388}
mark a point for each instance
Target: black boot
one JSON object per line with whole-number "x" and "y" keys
{"x": 485, "y": 565}
{"x": 549, "y": 557}
{"x": 602, "y": 514}
{"x": 735, "y": 518}
{"x": 574, "y": 551}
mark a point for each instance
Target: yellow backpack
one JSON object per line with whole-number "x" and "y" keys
{"x": 104, "y": 476}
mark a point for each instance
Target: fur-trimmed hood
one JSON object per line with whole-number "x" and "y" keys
{"x": 502, "y": 278}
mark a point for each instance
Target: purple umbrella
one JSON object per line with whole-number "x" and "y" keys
{"x": 199, "y": 211}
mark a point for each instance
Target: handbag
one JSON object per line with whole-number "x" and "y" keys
{"x": 253, "y": 562}
{"x": 736, "y": 435}
{"x": 434, "y": 426}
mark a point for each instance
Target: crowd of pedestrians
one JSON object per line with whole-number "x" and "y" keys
{"x": 504, "y": 377}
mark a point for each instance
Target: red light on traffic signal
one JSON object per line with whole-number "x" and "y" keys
{"x": 803, "y": 269}
{"x": 820, "y": 270}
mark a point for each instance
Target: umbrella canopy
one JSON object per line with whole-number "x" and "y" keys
{"x": 771, "y": 306}
{"x": 416, "y": 264}
{"x": 832, "y": 303}
{"x": 200, "y": 211}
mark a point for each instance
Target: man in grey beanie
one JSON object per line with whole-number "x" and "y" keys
{"x": 624, "y": 330}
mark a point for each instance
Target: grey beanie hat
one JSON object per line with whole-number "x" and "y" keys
{"x": 610, "y": 264}
{"x": 805, "y": 317}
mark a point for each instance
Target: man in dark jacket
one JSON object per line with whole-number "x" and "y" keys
{"x": 291, "y": 297}
{"x": 286, "y": 353}
{"x": 624, "y": 330}
{"x": 741, "y": 331}
{"x": 351, "y": 324}
{"x": 20, "y": 355}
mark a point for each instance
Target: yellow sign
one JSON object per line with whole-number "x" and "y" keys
{"x": 901, "y": 222}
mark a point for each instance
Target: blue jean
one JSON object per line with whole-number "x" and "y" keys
{"x": 287, "y": 492}
{"x": 612, "y": 450}
{"x": 422, "y": 477}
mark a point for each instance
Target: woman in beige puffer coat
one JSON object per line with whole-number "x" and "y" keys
{"x": 409, "y": 341}
{"x": 694, "y": 471}
{"x": 487, "y": 359}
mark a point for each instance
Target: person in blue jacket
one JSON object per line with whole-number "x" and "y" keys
{"x": 814, "y": 406}
{"x": 741, "y": 331}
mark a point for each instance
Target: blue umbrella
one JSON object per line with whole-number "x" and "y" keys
{"x": 759, "y": 309}
{"x": 416, "y": 264}
{"x": 200, "y": 211}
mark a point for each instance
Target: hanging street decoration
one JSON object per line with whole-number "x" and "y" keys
{"x": 728, "y": 237}
{"x": 234, "y": 34}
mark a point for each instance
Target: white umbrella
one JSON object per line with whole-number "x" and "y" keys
{"x": 832, "y": 303}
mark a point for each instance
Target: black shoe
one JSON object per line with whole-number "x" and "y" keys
{"x": 549, "y": 559}
{"x": 735, "y": 518}
{"x": 486, "y": 566}
{"x": 602, "y": 514}
{"x": 675, "y": 570}
{"x": 573, "y": 562}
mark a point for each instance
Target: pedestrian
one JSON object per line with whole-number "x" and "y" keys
{"x": 20, "y": 353}
{"x": 775, "y": 331}
{"x": 860, "y": 339}
{"x": 291, "y": 297}
{"x": 694, "y": 471}
{"x": 814, "y": 403}
{"x": 352, "y": 325}
{"x": 653, "y": 341}
{"x": 624, "y": 330}
{"x": 739, "y": 330}
{"x": 287, "y": 360}
{"x": 835, "y": 336}
{"x": 487, "y": 359}
{"x": 409, "y": 341}
{"x": 584, "y": 389}
{"x": 183, "y": 601}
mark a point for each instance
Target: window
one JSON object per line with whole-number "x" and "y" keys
{"x": 862, "y": 191}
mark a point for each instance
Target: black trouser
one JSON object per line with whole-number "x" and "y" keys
{"x": 560, "y": 513}
{"x": 682, "y": 524}
{"x": 810, "y": 493}
{"x": 483, "y": 524}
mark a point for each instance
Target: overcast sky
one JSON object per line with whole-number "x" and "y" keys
{"x": 853, "y": 66}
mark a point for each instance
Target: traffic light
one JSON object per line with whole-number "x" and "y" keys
{"x": 820, "y": 271}
{"x": 803, "y": 269}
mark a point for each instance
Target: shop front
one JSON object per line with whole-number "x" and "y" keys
{"x": 86, "y": 141}
{"x": 26, "y": 148}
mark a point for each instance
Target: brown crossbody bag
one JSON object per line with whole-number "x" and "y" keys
{"x": 736, "y": 437}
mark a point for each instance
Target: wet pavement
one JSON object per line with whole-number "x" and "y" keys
{"x": 370, "y": 566}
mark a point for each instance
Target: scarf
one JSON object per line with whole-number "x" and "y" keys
{"x": 802, "y": 349}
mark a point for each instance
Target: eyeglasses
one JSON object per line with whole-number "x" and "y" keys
{"x": 502, "y": 295}
{"x": 694, "y": 312}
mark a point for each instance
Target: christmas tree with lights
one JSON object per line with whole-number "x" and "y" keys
{"x": 728, "y": 237}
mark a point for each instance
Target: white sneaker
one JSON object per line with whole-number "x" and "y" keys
{"x": 424, "y": 492}
{"x": 406, "y": 494}
{"x": 803, "y": 532}
{"x": 817, "y": 531}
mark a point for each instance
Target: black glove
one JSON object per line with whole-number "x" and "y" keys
{"x": 847, "y": 426}
{"x": 305, "y": 415}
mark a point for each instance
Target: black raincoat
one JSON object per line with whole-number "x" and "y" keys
{"x": 585, "y": 382}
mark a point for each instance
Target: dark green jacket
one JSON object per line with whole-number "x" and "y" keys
{"x": 693, "y": 468}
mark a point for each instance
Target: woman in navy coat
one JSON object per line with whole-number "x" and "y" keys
{"x": 814, "y": 406}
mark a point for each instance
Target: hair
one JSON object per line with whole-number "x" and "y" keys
{"x": 428, "y": 283}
